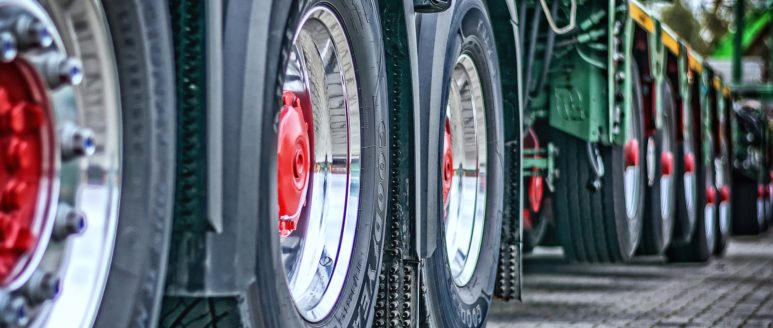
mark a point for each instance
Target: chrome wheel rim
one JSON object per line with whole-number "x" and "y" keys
{"x": 709, "y": 210}
{"x": 633, "y": 174}
{"x": 690, "y": 183}
{"x": 666, "y": 178}
{"x": 317, "y": 248}
{"x": 66, "y": 282}
{"x": 465, "y": 204}
{"x": 723, "y": 189}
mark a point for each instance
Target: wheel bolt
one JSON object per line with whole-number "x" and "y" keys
{"x": 13, "y": 310}
{"x": 76, "y": 142}
{"x": 69, "y": 221}
{"x": 59, "y": 70}
{"x": 8, "y": 50}
{"x": 32, "y": 33}
{"x": 42, "y": 286}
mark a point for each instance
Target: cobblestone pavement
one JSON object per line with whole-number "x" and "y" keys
{"x": 733, "y": 291}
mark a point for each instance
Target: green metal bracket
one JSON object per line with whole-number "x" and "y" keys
{"x": 544, "y": 161}
{"x": 705, "y": 103}
{"x": 657, "y": 68}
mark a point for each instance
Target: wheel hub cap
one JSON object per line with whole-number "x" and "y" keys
{"x": 689, "y": 163}
{"x": 667, "y": 163}
{"x": 632, "y": 153}
{"x": 293, "y": 162}
{"x": 448, "y": 163}
{"x": 25, "y": 136}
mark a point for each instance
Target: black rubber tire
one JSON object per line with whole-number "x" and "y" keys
{"x": 685, "y": 220}
{"x": 450, "y": 305}
{"x": 657, "y": 229}
{"x": 593, "y": 226}
{"x": 267, "y": 301}
{"x": 141, "y": 36}
{"x": 540, "y": 227}
{"x": 697, "y": 248}
{"x": 748, "y": 214}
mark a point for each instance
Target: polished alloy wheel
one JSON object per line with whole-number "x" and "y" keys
{"x": 61, "y": 164}
{"x": 666, "y": 179}
{"x": 465, "y": 169}
{"x": 710, "y": 208}
{"x": 634, "y": 175}
{"x": 722, "y": 169}
{"x": 318, "y": 163}
{"x": 690, "y": 183}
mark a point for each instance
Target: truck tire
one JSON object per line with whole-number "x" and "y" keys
{"x": 460, "y": 275}
{"x": 724, "y": 207}
{"x": 89, "y": 230}
{"x": 660, "y": 195}
{"x": 601, "y": 221}
{"x": 701, "y": 244}
{"x": 319, "y": 156}
{"x": 748, "y": 205}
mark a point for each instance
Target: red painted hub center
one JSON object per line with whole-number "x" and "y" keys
{"x": 536, "y": 182}
{"x": 25, "y": 134}
{"x": 689, "y": 163}
{"x": 293, "y": 162}
{"x": 711, "y": 196}
{"x": 631, "y": 153}
{"x": 448, "y": 162}
{"x": 724, "y": 194}
{"x": 667, "y": 163}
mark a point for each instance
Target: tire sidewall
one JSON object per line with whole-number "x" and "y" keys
{"x": 134, "y": 286}
{"x": 467, "y": 306}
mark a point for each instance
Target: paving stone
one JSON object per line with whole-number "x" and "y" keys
{"x": 733, "y": 291}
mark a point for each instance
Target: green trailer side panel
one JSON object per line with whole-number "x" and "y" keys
{"x": 579, "y": 107}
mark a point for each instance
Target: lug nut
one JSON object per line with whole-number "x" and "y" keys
{"x": 41, "y": 287}
{"x": 32, "y": 33}
{"x": 13, "y": 311}
{"x": 69, "y": 221}
{"x": 59, "y": 70}
{"x": 8, "y": 50}
{"x": 76, "y": 142}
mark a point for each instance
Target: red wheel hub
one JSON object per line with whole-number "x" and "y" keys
{"x": 631, "y": 153}
{"x": 448, "y": 162}
{"x": 724, "y": 194}
{"x": 689, "y": 163}
{"x": 25, "y": 133}
{"x": 711, "y": 195}
{"x": 293, "y": 162}
{"x": 761, "y": 191}
{"x": 667, "y": 163}
{"x": 536, "y": 182}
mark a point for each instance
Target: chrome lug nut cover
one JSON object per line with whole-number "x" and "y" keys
{"x": 13, "y": 310}
{"x": 59, "y": 70}
{"x": 69, "y": 221}
{"x": 8, "y": 49}
{"x": 76, "y": 142}
{"x": 31, "y": 33}
{"x": 42, "y": 286}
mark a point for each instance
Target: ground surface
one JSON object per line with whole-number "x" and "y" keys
{"x": 733, "y": 291}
